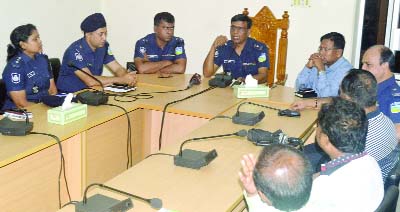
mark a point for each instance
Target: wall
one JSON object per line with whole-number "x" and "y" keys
{"x": 198, "y": 22}
{"x": 57, "y": 21}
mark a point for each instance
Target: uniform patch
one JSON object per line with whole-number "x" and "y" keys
{"x": 31, "y": 74}
{"x": 216, "y": 53}
{"x": 78, "y": 56}
{"x": 178, "y": 50}
{"x": 15, "y": 78}
{"x": 142, "y": 50}
{"x": 229, "y": 61}
{"x": 262, "y": 58}
{"x": 395, "y": 107}
{"x": 109, "y": 52}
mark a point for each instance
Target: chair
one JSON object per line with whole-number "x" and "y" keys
{"x": 265, "y": 29}
{"x": 389, "y": 202}
{"x": 393, "y": 177}
{"x": 3, "y": 93}
{"x": 55, "y": 65}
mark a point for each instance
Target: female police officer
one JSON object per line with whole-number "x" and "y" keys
{"x": 27, "y": 74}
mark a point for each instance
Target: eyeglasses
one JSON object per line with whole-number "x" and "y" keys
{"x": 324, "y": 49}
{"x": 240, "y": 29}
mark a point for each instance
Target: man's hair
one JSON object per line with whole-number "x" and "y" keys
{"x": 163, "y": 16}
{"x": 337, "y": 38}
{"x": 284, "y": 176}
{"x": 241, "y": 17}
{"x": 387, "y": 56}
{"x": 345, "y": 124}
{"x": 361, "y": 87}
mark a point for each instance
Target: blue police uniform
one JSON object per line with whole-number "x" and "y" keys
{"x": 175, "y": 49}
{"x": 82, "y": 56}
{"x": 389, "y": 99}
{"x": 253, "y": 56}
{"x": 31, "y": 75}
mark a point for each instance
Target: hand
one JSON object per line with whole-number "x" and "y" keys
{"x": 302, "y": 104}
{"x": 246, "y": 175}
{"x": 219, "y": 41}
{"x": 130, "y": 79}
{"x": 318, "y": 61}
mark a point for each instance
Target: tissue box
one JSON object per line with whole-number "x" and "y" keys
{"x": 58, "y": 116}
{"x": 251, "y": 92}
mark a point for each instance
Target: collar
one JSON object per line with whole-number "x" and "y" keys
{"x": 25, "y": 57}
{"x": 247, "y": 45}
{"x": 373, "y": 114}
{"x": 386, "y": 84}
{"x": 335, "y": 65}
{"x": 153, "y": 41}
{"x": 335, "y": 164}
{"x": 85, "y": 46}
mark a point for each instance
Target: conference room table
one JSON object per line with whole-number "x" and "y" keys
{"x": 95, "y": 148}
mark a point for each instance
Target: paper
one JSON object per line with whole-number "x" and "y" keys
{"x": 67, "y": 102}
{"x": 250, "y": 81}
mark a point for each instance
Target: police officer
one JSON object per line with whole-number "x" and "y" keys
{"x": 241, "y": 55}
{"x": 89, "y": 54}
{"x": 27, "y": 74}
{"x": 161, "y": 52}
{"x": 379, "y": 60}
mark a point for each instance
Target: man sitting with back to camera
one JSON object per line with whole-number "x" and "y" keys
{"x": 239, "y": 56}
{"x": 161, "y": 52}
{"x": 351, "y": 181}
{"x": 326, "y": 68}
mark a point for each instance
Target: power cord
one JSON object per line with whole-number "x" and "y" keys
{"x": 144, "y": 95}
{"x": 129, "y": 137}
{"x": 159, "y": 153}
{"x": 170, "y": 103}
{"x": 62, "y": 167}
{"x": 251, "y": 103}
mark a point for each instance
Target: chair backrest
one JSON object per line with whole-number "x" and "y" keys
{"x": 393, "y": 177}
{"x": 55, "y": 65}
{"x": 3, "y": 93}
{"x": 265, "y": 29}
{"x": 389, "y": 202}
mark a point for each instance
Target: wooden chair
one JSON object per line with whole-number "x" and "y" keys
{"x": 265, "y": 29}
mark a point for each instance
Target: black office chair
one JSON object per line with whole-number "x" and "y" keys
{"x": 55, "y": 65}
{"x": 393, "y": 177}
{"x": 3, "y": 93}
{"x": 389, "y": 202}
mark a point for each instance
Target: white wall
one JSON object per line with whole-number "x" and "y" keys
{"x": 198, "y": 22}
{"x": 58, "y": 22}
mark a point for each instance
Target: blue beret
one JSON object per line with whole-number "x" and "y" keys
{"x": 93, "y": 22}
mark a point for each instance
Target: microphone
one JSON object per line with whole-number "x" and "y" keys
{"x": 196, "y": 159}
{"x": 89, "y": 97}
{"x": 16, "y": 128}
{"x": 155, "y": 203}
{"x": 195, "y": 80}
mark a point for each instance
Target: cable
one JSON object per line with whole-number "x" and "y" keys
{"x": 220, "y": 117}
{"x": 62, "y": 166}
{"x": 170, "y": 103}
{"x": 144, "y": 95}
{"x": 159, "y": 153}
{"x": 70, "y": 203}
{"x": 129, "y": 137}
{"x": 251, "y": 103}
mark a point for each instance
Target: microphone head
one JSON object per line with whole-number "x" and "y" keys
{"x": 195, "y": 80}
{"x": 241, "y": 133}
{"x": 156, "y": 203}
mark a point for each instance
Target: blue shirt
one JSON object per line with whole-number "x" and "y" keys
{"x": 173, "y": 50}
{"x": 31, "y": 75}
{"x": 389, "y": 99}
{"x": 326, "y": 83}
{"x": 253, "y": 56}
{"x": 82, "y": 56}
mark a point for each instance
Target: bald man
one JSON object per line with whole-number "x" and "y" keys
{"x": 379, "y": 60}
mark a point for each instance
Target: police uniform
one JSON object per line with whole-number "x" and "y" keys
{"x": 82, "y": 56}
{"x": 31, "y": 75}
{"x": 253, "y": 56}
{"x": 389, "y": 99}
{"x": 175, "y": 49}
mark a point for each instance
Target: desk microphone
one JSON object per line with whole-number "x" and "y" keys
{"x": 16, "y": 128}
{"x": 196, "y": 159}
{"x": 153, "y": 202}
{"x": 89, "y": 97}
